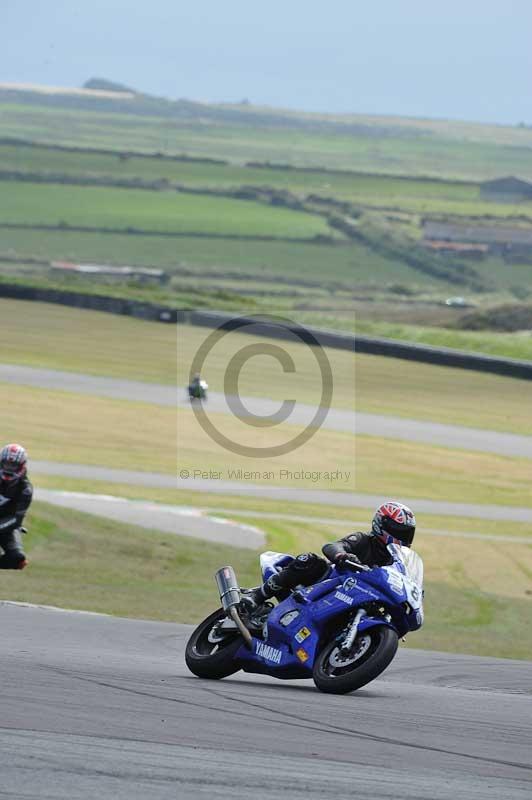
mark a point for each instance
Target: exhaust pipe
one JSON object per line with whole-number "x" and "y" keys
{"x": 230, "y": 596}
{"x": 228, "y": 588}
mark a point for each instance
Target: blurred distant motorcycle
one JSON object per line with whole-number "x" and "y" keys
{"x": 197, "y": 389}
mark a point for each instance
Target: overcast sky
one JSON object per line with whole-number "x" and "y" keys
{"x": 460, "y": 59}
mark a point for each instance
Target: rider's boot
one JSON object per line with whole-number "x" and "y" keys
{"x": 256, "y": 597}
{"x": 305, "y": 569}
{"x": 13, "y": 561}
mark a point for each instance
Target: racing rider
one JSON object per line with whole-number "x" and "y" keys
{"x": 198, "y": 387}
{"x": 16, "y": 493}
{"x": 393, "y": 523}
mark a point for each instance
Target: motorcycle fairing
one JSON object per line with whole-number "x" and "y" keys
{"x": 271, "y": 563}
{"x": 295, "y": 626}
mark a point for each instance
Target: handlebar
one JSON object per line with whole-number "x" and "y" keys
{"x": 356, "y": 565}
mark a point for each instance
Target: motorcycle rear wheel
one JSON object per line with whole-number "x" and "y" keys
{"x": 338, "y": 673}
{"x": 212, "y": 658}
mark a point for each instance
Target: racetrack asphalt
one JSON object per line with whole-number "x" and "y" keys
{"x": 281, "y": 494}
{"x": 178, "y": 520}
{"x": 96, "y": 706}
{"x": 204, "y": 523}
{"x": 434, "y": 433}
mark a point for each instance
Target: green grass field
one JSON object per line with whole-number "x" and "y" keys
{"x": 147, "y": 575}
{"x": 324, "y": 264}
{"x": 53, "y": 204}
{"x": 151, "y": 575}
{"x": 407, "y": 194}
{"x": 408, "y": 146}
{"x": 319, "y": 281}
{"x": 387, "y": 188}
{"x": 343, "y": 274}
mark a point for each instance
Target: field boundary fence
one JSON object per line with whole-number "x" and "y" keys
{"x": 390, "y": 348}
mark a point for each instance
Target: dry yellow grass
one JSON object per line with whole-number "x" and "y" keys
{"x": 380, "y": 466}
{"x": 326, "y": 451}
{"x": 96, "y": 343}
{"x": 72, "y": 339}
{"x": 262, "y": 375}
{"x": 486, "y": 566}
{"x": 63, "y": 426}
{"x": 60, "y": 426}
{"x": 392, "y": 467}
{"x": 442, "y": 394}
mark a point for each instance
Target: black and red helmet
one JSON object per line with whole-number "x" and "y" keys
{"x": 394, "y": 523}
{"x": 13, "y": 463}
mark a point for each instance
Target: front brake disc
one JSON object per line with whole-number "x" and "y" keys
{"x": 338, "y": 659}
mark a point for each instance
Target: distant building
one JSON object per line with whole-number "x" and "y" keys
{"x": 457, "y": 248}
{"x": 507, "y": 240}
{"x": 506, "y": 190}
{"x": 433, "y": 230}
{"x": 142, "y": 274}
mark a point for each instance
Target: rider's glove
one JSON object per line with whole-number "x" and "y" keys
{"x": 341, "y": 558}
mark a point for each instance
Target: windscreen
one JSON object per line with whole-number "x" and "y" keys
{"x": 411, "y": 561}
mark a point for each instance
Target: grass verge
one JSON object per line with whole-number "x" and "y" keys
{"x": 91, "y": 342}
{"x": 505, "y": 345}
{"x": 77, "y": 428}
{"x": 403, "y": 469}
{"x": 86, "y": 562}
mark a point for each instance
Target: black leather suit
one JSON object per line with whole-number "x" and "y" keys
{"x": 15, "y": 499}
{"x": 308, "y": 568}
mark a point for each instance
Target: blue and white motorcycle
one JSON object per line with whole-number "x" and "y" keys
{"x": 342, "y": 632}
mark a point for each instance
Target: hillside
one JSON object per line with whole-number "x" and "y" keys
{"x": 245, "y": 132}
{"x": 258, "y": 209}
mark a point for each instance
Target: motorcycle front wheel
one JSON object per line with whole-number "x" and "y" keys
{"x": 210, "y": 653}
{"x": 337, "y": 672}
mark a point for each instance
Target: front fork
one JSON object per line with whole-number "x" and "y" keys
{"x": 352, "y": 631}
